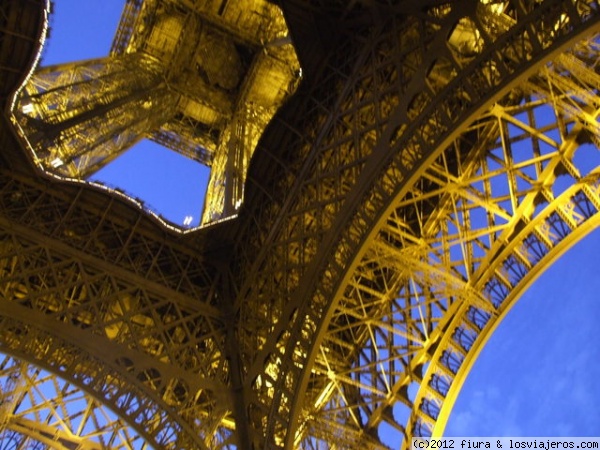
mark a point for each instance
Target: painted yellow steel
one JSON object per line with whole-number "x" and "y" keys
{"x": 394, "y": 212}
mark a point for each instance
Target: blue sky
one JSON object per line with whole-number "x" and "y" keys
{"x": 539, "y": 373}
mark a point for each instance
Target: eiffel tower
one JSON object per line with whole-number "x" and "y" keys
{"x": 387, "y": 178}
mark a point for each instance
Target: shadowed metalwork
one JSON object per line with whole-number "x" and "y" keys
{"x": 432, "y": 162}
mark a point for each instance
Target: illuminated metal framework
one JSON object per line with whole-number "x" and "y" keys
{"x": 200, "y": 79}
{"x": 431, "y": 165}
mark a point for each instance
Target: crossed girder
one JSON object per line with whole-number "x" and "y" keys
{"x": 405, "y": 92}
{"x": 200, "y": 79}
{"x": 395, "y": 210}
{"x": 430, "y": 287}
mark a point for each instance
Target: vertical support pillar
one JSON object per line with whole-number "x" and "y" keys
{"x": 230, "y": 165}
{"x": 77, "y": 117}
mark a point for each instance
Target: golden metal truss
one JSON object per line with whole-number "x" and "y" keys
{"x": 201, "y": 79}
{"x": 432, "y": 163}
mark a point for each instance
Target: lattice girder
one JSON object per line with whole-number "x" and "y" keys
{"x": 462, "y": 252}
{"x": 200, "y": 80}
{"x": 327, "y": 216}
{"x": 416, "y": 192}
{"x": 138, "y": 352}
{"x": 41, "y": 411}
{"x": 92, "y": 270}
{"x": 77, "y": 117}
{"x": 232, "y": 66}
{"x": 112, "y": 231}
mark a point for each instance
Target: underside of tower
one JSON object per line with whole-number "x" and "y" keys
{"x": 394, "y": 174}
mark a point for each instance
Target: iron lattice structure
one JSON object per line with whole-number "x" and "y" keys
{"x": 433, "y": 161}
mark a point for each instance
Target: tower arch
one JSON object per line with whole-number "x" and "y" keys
{"x": 346, "y": 211}
{"x": 432, "y": 164}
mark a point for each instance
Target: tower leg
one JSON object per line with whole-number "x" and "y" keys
{"x": 77, "y": 117}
